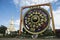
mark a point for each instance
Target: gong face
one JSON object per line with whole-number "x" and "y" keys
{"x": 36, "y": 20}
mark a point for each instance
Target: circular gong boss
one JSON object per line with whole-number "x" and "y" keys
{"x": 36, "y": 20}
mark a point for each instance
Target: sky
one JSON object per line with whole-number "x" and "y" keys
{"x": 11, "y": 8}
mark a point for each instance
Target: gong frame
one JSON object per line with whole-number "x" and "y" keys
{"x": 21, "y": 17}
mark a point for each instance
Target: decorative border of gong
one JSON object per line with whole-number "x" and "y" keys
{"x": 47, "y": 4}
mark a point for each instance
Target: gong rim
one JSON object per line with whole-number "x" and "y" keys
{"x": 44, "y": 28}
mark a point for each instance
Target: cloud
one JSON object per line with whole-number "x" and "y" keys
{"x": 58, "y": 3}
{"x": 17, "y": 22}
{"x": 56, "y": 14}
{"x": 16, "y": 2}
{"x": 45, "y": 7}
{"x": 21, "y": 3}
{"x": 31, "y": 2}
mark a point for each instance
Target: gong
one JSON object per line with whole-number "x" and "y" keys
{"x": 36, "y": 20}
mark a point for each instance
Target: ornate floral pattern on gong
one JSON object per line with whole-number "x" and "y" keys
{"x": 36, "y": 20}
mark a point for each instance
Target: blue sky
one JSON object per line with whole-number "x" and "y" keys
{"x": 9, "y": 8}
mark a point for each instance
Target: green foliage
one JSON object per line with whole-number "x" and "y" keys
{"x": 3, "y": 29}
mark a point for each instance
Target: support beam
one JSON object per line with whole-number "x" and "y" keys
{"x": 53, "y": 25}
{"x": 47, "y": 4}
{"x": 20, "y": 22}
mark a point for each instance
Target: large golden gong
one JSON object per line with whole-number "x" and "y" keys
{"x": 36, "y": 20}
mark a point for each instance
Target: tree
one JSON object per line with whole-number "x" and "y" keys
{"x": 3, "y": 29}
